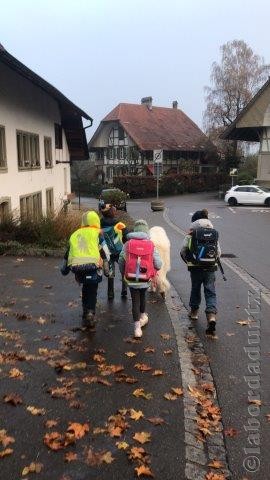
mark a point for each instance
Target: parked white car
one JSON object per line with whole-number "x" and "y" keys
{"x": 248, "y": 194}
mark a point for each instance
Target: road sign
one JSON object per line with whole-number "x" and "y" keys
{"x": 158, "y": 156}
{"x": 233, "y": 172}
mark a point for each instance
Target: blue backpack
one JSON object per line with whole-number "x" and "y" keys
{"x": 113, "y": 240}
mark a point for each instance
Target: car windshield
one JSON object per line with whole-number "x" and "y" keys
{"x": 264, "y": 189}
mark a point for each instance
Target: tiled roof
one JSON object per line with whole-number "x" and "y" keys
{"x": 158, "y": 127}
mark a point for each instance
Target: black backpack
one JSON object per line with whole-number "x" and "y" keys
{"x": 203, "y": 247}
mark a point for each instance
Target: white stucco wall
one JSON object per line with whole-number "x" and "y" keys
{"x": 24, "y": 106}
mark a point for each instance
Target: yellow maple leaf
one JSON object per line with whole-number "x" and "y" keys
{"x": 122, "y": 445}
{"x": 130, "y": 354}
{"x": 107, "y": 457}
{"x": 136, "y": 414}
{"x": 142, "y": 437}
{"x": 36, "y": 411}
{"x": 170, "y": 396}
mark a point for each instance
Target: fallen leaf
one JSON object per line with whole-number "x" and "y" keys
{"x": 16, "y": 373}
{"x": 7, "y": 451}
{"x": 78, "y": 429}
{"x": 107, "y": 457}
{"x": 178, "y": 391}
{"x": 216, "y": 464}
{"x": 35, "y": 410}
{"x": 230, "y": 334}
{"x": 142, "y": 437}
{"x": 5, "y": 440}
{"x": 156, "y": 420}
{"x": 98, "y": 358}
{"x": 165, "y": 336}
{"x": 144, "y": 470}
{"x": 255, "y": 402}
{"x": 157, "y": 373}
{"x": 98, "y": 430}
{"x": 136, "y": 414}
{"x": 122, "y": 445}
{"x": 54, "y": 440}
{"x": 139, "y": 392}
{"x": 71, "y": 456}
{"x": 230, "y": 432}
{"x": 32, "y": 468}
{"x": 170, "y": 396}
{"x": 149, "y": 350}
{"x": 27, "y": 283}
{"x": 167, "y": 352}
{"x": 130, "y": 354}
{"x": 243, "y": 322}
{"x": 142, "y": 367}
{"x": 74, "y": 366}
{"x": 123, "y": 378}
{"x": 136, "y": 453}
{"x": 13, "y": 399}
{"x": 214, "y": 476}
{"x": 50, "y": 423}
{"x": 48, "y": 287}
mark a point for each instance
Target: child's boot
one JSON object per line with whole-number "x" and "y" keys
{"x": 88, "y": 319}
{"x": 211, "y": 319}
{"x": 110, "y": 288}
{"x": 143, "y": 319}
{"x": 137, "y": 329}
{"x": 194, "y": 314}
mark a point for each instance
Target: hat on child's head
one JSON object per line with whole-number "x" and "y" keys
{"x": 199, "y": 215}
{"x": 108, "y": 210}
{"x": 141, "y": 226}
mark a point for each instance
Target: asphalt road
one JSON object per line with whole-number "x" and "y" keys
{"x": 40, "y": 336}
{"x": 244, "y": 233}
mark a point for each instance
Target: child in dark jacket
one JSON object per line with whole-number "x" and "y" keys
{"x": 201, "y": 275}
{"x": 115, "y": 233}
{"x": 139, "y": 288}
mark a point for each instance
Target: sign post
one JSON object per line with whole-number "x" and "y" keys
{"x": 158, "y": 159}
{"x": 233, "y": 173}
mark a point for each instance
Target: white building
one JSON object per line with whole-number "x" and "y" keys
{"x": 41, "y": 131}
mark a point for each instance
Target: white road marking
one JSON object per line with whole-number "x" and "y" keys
{"x": 232, "y": 210}
{"x": 241, "y": 272}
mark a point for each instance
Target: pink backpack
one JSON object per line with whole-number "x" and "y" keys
{"x": 139, "y": 265}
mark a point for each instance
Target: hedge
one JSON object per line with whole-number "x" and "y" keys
{"x": 170, "y": 184}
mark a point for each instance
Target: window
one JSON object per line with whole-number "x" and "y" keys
{"x": 31, "y": 206}
{"x": 49, "y": 201}
{"x": 58, "y": 136}
{"x": 121, "y": 153}
{"x": 111, "y": 153}
{"x": 4, "y": 209}
{"x": 3, "y": 158}
{"x": 121, "y": 133}
{"x": 48, "y": 152}
{"x": 28, "y": 150}
{"x": 241, "y": 189}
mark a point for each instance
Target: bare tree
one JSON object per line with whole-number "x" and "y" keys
{"x": 234, "y": 80}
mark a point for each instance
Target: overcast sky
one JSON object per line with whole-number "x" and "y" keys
{"x": 103, "y": 52}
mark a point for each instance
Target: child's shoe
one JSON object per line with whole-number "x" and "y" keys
{"x": 211, "y": 319}
{"x": 137, "y": 329}
{"x": 194, "y": 314}
{"x": 143, "y": 319}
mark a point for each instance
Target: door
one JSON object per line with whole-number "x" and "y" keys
{"x": 255, "y": 196}
{"x": 242, "y": 194}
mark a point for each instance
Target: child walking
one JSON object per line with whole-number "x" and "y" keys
{"x": 200, "y": 251}
{"x": 84, "y": 258}
{"x": 138, "y": 262}
{"x": 115, "y": 234}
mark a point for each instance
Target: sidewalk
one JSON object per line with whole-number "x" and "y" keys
{"x": 85, "y": 379}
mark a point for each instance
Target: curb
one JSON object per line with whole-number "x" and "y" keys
{"x": 191, "y": 355}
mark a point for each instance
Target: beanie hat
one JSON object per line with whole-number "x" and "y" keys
{"x": 199, "y": 214}
{"x": 141, "y": 226}
{"x": 108, "y": 210}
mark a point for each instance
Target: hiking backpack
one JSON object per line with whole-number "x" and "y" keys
{"x": 203, "y": 247}
{"x": 139, "y": 266}
{"x": 112, "y": 240}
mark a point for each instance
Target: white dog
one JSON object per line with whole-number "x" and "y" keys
{"x": 162, "y": 244}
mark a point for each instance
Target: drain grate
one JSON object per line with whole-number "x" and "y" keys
{"x": 228, "y": 255}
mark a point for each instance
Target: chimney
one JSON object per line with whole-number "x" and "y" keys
{"x": 147, "y": 101}
{"x": 175, "y": 104}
